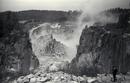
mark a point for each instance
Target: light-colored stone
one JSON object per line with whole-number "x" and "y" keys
{"x": 89, "y": 80}
{"x": 25, "y": 79}
{"x": 42, "y": 79}
{"x": 30, "y": 76}
{"x": 73, "y": 82}
{"x": 56, "y": 78}
{"x": 33, "y": 80}
{"x": 20, "y": 79}
{"x": 53, "y": 68}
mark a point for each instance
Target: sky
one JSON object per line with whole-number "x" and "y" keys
{"x": 18, "y": 5}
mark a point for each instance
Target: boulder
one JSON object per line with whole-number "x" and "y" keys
{"x": 20, "y": 79}
{"x": 33, "y": 80}
{"x": 42, "y": 79}
{"x": 30, "y": 76}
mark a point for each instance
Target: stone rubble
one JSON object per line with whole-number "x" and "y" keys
{"x": 52, "y": 77}
{"x": 51, "y": 74}
{"x": 61, "y": 77}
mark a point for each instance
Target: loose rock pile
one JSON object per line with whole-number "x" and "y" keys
{"x": 61, "y": 77}
{"x": 52, "y": 77}
{"x": 50, "y": 73}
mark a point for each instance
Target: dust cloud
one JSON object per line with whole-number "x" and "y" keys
{"x": 90, "y": 14}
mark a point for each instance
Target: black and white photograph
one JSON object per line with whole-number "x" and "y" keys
{"x": 64, "y": 41}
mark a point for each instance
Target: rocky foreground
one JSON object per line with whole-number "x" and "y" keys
{"x": 61, "y": 77}
{"x": 51, "y": 73}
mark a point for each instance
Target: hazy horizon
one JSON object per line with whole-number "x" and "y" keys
{"x": 60, "y": 5}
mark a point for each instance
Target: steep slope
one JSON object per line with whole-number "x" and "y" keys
{"x": 16, "y": 56}
{"x": 103, "y": 46}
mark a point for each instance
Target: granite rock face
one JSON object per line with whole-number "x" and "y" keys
{"x": 16, "y": 56}
{"x": 101, "y": 47}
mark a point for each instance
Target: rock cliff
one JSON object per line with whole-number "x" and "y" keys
{"x": 16, "y": 56}
{"x": 101, "y": 47}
